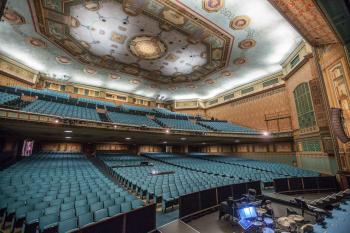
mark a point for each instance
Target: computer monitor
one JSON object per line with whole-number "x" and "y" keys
{"x": 247, "y": 212}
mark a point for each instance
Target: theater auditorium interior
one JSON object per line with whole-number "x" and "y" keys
{"x": 174, "y": 116}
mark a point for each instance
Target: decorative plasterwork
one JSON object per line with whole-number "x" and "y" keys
{"x": 306, "y": 16}
{"x": 184, "y": 47}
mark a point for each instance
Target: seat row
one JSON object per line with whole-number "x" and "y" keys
{"x": 47, "y": 191}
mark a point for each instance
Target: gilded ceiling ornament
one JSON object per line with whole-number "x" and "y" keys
{"x": 166, "y": 27}
{"x": 240, "y": 22}
{"x": 13, "y": 17}
{"x": 147, "y": 47}
{"x": 240, "y": 61}
{"x": 90, "y": 70}
{"x": 173, "y": 17}
{"x": 63, "y": 60}
{"x": 73, "y": 22}
{"x": 226, "y": 73}
{"x": 212, "y": 5}
{"x": 133, "y": 7}
{"x": 216, "y": 54}
{"x": 247, "y": 44}
{"x": 209, "y": 81}
{"x": 36, "y": 42}
{"x": 114, "y": 76}
{"x": 192, "y": 86}
{"x": 131, "y": 70}
{"x": 92, "y": 5}
{"x": 85, "y": 44}
{"x": 116, "y": 37}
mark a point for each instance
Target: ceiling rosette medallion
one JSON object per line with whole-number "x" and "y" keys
{"x": 113, "y": 76}
{"x": 13, "y": 17}
{"x": 147, "y": 47}
{"x": 90, "y": 70}
{"x": 240, "y": 61}
{"x": 38, "y": 43}
{"x": 247, "y": 44}
{"x": 63, "y": 60}
{"x": 240, "y": 22}
{"x": 212, "y": 5}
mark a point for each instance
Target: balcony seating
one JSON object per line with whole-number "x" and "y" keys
{"x": 139, "y": 109}
{"x": 181, "y": 124}
{"x": 57, "y": 190}
{"x": 227, "y": 127}
{"x": 44, "y": 92}
{"x": 277, "y": 168}
{"x": 96, "y": 102}
{"x": 5, "y": 97}
{"x": 63, "y": 110}
{"x": 131, "y": 119}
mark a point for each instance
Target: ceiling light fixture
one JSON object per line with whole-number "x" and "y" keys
{"x": 165, "y": 142}
{"x": 56, "y": 121}
{"x": 183, "y": 139}
{"x": 68, "y": 137}
{"x": 167, "y": 131}
{"x": 127, "y": 138}
{"x": 204, "y": 143}
{"x": 68, "y": 131}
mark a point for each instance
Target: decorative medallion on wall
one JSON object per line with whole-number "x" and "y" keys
{"x": 135, "y": 81}
{"x": 212, "y": 5}
{"x": 147, "y": 47}
{"x": 240, "y": 22}
{"x": 13, "y": 17}
{"x": 209, "y": 81}
{"x": 36, "y": 42}
{"x": 247, "y": 44}
{"x": 91, "y": 5}
{"x": 90, "y": 70}
{"x": 240, "y": 61}
{"x": 114, "y": 76}
{"x": 63, "y": 60}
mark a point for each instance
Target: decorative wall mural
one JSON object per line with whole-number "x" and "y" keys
{"x": 147, "y": 47}
{"x": 63, "y": 60}
{"x": 36, "y": 42}
{"x": 247, "y": 43}
{"x": 240, "y": 22}
{"x": 13, "y": 17}
{"x": 212, "y": 5}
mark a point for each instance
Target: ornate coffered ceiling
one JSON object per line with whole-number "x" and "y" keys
{"x": 178, "y": 49}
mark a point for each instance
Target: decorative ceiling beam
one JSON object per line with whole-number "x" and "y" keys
{"x": 308, "y": 19}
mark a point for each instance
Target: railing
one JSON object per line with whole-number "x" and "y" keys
{"x": 12, "y": 114}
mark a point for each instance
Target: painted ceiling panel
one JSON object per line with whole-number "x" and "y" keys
{"x": 176, "y": 49}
